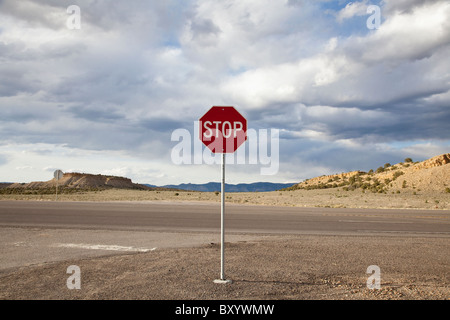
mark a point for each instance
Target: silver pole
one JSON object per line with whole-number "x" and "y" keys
{"x": 222, "y": 227}
{"x": 222, "y": 214}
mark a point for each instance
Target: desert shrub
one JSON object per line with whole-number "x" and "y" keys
{"x": 447, "y": 190}
{"x": 397, "y": 174}
{"x": 387, "y": 165}
{"x": 379, "y": 170}
{"x": 408, "y": 160}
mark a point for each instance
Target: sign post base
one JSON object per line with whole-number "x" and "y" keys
{"x": 222, "y": 281}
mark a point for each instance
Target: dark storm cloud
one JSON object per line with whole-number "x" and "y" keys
{"x": 34, "y": 13}
{"x": 16, "y": 83}
{"x": 96, "y": 113}
{"x": 404, "y": 6}
{"x": 164, "y": 124}
{"x": 204, "y": 28}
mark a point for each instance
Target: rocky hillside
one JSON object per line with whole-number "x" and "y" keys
{"x": 82, "y": 181}
{"x": 429, "y": 175}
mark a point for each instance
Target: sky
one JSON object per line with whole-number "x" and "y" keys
{"x": 106, "y": 95}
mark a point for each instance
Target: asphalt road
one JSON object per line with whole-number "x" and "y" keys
{"x": 205, "y": 217}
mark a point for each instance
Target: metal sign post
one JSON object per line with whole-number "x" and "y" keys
{"x": 222, "y": 227}
{"x": 223, "y": 130}
{"x": 58, "y": 174}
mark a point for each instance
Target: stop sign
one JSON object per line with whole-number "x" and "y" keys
{"x": 223, "y": 129}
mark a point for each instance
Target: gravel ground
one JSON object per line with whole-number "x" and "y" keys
{"x": 300, "y": 267}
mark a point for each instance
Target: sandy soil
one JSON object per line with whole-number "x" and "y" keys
{"x": 332, "y": 198}
{"x": 282, "y": 267}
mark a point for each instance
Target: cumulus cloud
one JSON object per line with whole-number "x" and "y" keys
{"x": 358, "y": 8}
{"x": 405, "y": 6}
{"x": 414, "y": 35}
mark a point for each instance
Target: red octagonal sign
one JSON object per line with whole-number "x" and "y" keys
{"x": 223, "y": 129}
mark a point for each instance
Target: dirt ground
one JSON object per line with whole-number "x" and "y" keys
{"x": 330, "y": 198}
{"x": 310, "y": 267}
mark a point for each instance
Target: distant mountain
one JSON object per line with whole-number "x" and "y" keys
{"x": 241, "y": 187}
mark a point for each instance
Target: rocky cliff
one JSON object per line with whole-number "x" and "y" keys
{"x": 73, "y": 180}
